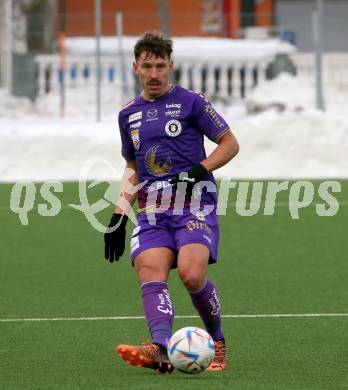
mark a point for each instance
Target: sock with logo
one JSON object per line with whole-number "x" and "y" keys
{"x": 207, "y": 303}
{"x": 159, "y": 311}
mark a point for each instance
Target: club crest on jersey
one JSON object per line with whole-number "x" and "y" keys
{"x": 135, "y": 138}
{"x": 173, "y": 128}
{"x": 154, "y": 166}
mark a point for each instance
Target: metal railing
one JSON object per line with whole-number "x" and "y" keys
{"x": 222, "y": 80}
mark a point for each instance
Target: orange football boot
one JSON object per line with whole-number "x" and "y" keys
{"x": 147, "y": 355}
{"x": 219, "y": 362}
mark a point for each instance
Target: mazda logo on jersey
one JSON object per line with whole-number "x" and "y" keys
{"x": 152, "y": 113}
{"x": 173, "y": 128}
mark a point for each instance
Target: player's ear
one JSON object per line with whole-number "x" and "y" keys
{"x": 171, "y": 66}
{"x": 135, "y": 67}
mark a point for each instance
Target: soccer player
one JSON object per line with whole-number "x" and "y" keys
{"x": 162, "y": 133}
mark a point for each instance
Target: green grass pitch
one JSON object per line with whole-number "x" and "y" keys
{"x": 54, "y": 268}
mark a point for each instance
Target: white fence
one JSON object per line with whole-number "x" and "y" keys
{"x": 335, "y": 69}
{"x": 224, "y": 79}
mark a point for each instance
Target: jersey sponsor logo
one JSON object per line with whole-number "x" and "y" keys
{"x": 135, "y": 117}
{"x": 172, "y": 113}
{"x": 173, "y": 128}
{"x": 158, "y": 185}
{"x": 135, "y": 139}
{"x": 173, "y": 105}
{"x": 209, "y": 109}
{"x": 153, "y": 166}
{"x": 135, "y": 125}
{"x": 152, "y": 115}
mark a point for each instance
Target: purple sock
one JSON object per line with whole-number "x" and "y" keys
{"x": 159, "y": 311}
{"x": 207, "y": 303}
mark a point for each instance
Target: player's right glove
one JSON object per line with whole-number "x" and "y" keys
{"x": 115, "y": 237}
{"x": 192, "y": 177}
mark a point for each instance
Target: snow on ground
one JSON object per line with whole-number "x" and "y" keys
{"x": 299, "y": 142}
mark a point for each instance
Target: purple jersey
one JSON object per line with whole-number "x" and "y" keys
{"x": 165, "y": 136}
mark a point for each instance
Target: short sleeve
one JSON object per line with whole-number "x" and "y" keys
{"x": 206, "y": 119}
{"x": 127, "y": 145}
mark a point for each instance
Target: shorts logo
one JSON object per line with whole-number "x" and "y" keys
{"x": 135, "y": 139}
{"x": 134, "y": 244}
{"x": 200, "y": 215}
{"x": 136, "y": 231}
{"x": 207, "y": 238}
{"x": 135, "y": 117}
{"x": 197, "y": 225}
{"x": 173, "y": 128}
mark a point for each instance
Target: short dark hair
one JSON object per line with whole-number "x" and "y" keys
{"x": 154, "y": 43}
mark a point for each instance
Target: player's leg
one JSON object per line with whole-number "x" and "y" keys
{"x": 152, "y": 266}
{"x": 192, "y": 268}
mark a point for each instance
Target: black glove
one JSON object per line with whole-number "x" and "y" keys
{"x": 115, "y": 237}
{"x": 192, "y": 177}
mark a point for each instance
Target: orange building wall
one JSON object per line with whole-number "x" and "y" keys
{"x": 234, "y": 18}
{"x": 186, "y": 18}
{"x": 140, "y": 16}
{"x": 263, "y": 15}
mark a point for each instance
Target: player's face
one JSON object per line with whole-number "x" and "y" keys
{"x": 153, "y": 73}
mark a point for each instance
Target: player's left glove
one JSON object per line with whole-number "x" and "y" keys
{"x": 115, "y": 237}
{"x": 192, "y": 177}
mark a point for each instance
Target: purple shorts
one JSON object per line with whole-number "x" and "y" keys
{"x": 174, "y": 231}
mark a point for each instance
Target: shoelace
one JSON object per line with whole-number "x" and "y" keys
{"x": 220, "y": 352}
{"x": 151, "y": 350}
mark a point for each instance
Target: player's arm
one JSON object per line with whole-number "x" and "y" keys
{"x": 212, "y": 125}
{"x": 227, "y": 148}
{"x": 115, "y": 235}
{"x": 128, "y": 193}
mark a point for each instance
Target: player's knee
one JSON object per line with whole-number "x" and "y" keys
{"x": 192, "y": 281}
{"x": 147, "y": 273}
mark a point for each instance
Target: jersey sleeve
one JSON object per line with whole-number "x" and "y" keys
{"x": 127, "y": 145}
{"x": 206, "y": 119}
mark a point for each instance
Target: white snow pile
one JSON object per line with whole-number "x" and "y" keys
{"x": 217, "y": 48}
{"x": 292, "y": 145}
{"x": 273, "y": 145}
{"x": 11, "y": 106}
{"x": 288, "y": 92}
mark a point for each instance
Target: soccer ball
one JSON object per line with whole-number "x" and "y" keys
{"x": 191, "y": 350}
